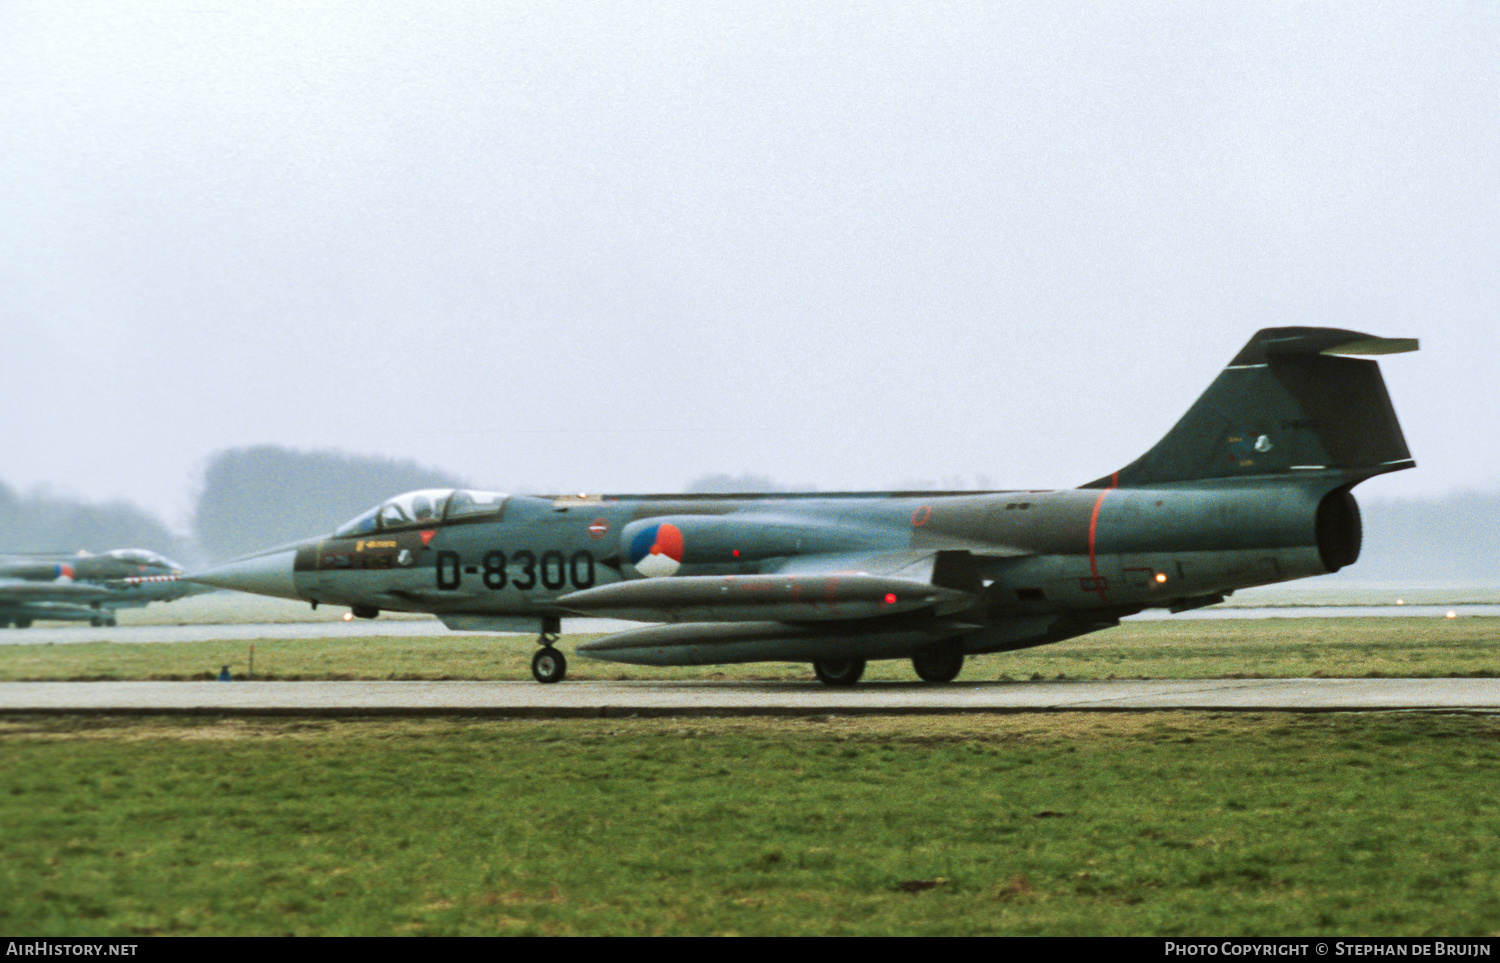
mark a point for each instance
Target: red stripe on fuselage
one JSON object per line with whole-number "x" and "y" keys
{"x": 1099, "y": 587}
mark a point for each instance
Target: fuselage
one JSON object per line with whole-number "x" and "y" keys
{"x": 1105, "y": 551}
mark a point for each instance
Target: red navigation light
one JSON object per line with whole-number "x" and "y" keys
{"x": 890, "y": 598}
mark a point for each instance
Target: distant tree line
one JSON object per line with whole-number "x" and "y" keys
{"x": 746, "y": 483}
{"x": 252, "y": 498}
{"x": 43, "y": 522}
{"x": 267, "y": 495}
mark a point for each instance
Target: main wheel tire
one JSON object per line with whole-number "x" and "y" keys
{"x": 548, "y": 665}
{"x": 839, "y": 672}
{"x": 23, "y": 623}
{"x": 940, "y": 663}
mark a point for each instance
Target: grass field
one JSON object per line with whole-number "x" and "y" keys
{"x": 1062, "y": 824}
{"x": 1404, "y": 647}
{"x": 1159, "y": 824}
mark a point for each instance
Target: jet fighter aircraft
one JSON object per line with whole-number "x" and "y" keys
{"x": 1252, "y": 486}
{"x": 86, "y": 587}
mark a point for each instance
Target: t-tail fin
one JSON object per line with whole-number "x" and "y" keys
{"x": 1290, "y": 401}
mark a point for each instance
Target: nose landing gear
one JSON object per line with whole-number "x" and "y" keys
{"x": 549, "y": 665}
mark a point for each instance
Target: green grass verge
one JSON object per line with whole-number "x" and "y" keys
{"x": 1165, "y": 824}
{"x": 1273, "y": 648}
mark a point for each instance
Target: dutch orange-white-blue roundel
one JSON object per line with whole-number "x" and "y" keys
{"x": 657, "y": 550}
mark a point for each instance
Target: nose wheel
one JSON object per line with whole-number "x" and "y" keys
{"x": 549, "y": 665}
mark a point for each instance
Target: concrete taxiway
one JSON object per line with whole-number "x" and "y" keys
{"x": 626, "y": 699}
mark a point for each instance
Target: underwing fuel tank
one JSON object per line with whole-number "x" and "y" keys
{"x": 718, "y": 643}
{"x": 748, "y": 598}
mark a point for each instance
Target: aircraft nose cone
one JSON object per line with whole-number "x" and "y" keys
{"x": 269, "y": 574}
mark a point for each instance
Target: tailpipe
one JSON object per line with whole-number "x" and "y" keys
{"x": 1339, "y": 531}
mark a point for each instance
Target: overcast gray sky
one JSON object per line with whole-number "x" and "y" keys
{"x": 618, "y": 246}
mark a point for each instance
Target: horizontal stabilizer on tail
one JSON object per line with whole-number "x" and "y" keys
{"x": 1286, "y": 342}
{"x": 1372, "y": 346}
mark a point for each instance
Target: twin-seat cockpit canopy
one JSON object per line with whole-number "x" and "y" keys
{"x": 426, "y": 507}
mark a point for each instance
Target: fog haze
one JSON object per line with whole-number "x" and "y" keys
{"x": 609, "y": 247}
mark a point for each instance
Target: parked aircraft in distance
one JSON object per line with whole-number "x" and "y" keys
{"x": 1251, "y": 486}
{"x": 84, "y": 587}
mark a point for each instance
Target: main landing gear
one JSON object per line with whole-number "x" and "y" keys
{"x": 940, "y": 663}
{"x": 936, "y": 663}
{"x": 839, "y": 672}
{"x": 549, "y": 665}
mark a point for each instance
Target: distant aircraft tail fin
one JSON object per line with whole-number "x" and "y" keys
{"x": 1291, "y": 401}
